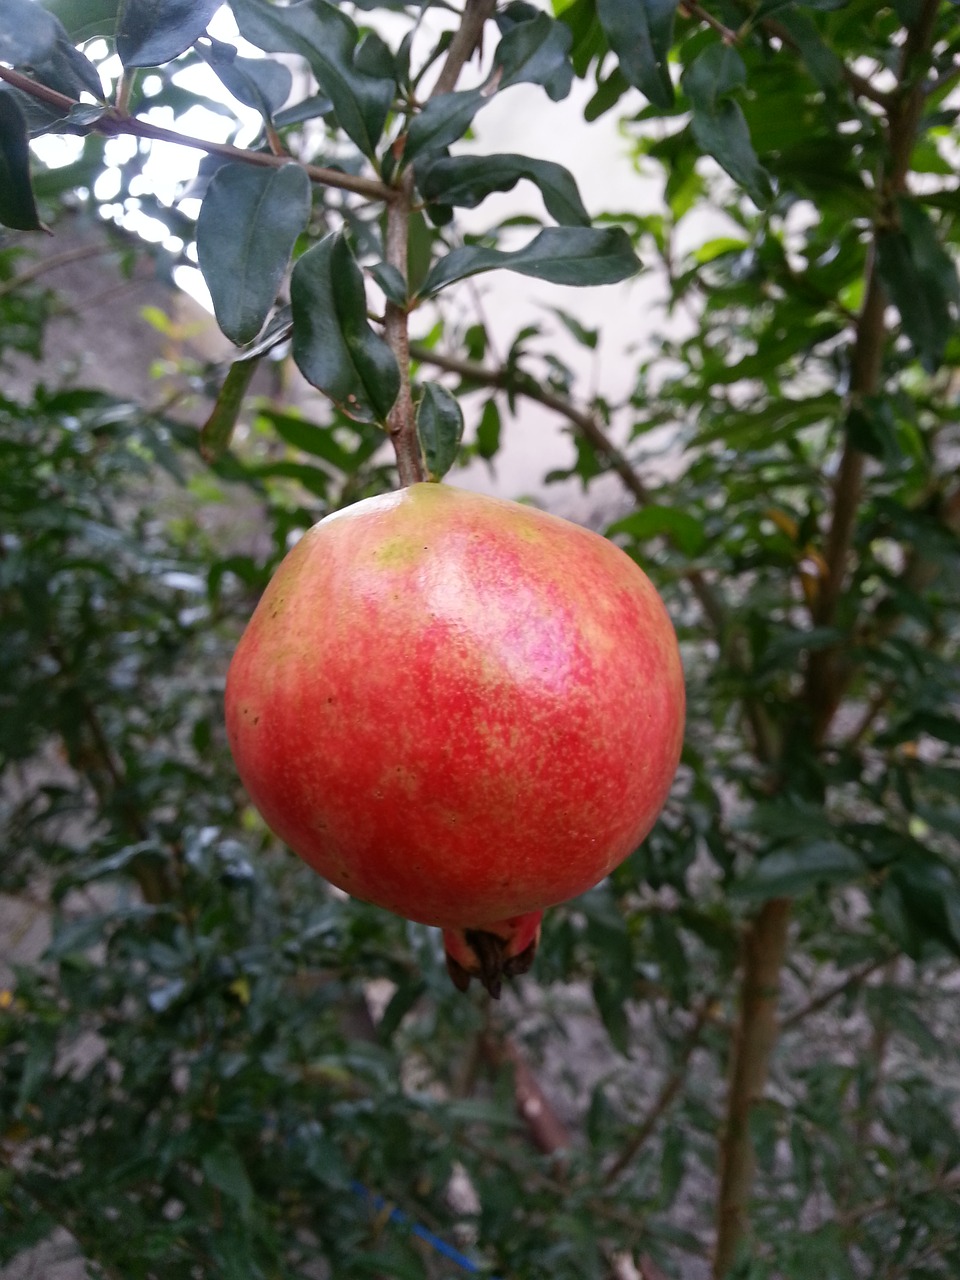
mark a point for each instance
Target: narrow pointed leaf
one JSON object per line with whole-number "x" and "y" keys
{"x": 260, "y": 83}
{"x": 921, "y": 279}
{"x": 18, "y": 209}
{"x": 535, "y": 52}
{"x": 724, "y": 134}
{"x": 562, "y": 255}
{"x": 151, "y": 32}
{"x": 640, "y": 33}
{"x": 334, "y": 346}
{"x": 440, "y": 429}
{"x": 798, "y": 870}
{"x": 329, "y": 41}
{"x": 249, "y": 222}
{"x": 467, "y": 180}
{"x": 217, "y": 432}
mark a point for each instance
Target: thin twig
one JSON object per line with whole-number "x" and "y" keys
{"x": 53, "y": 263}
{"x": 113, "y": 123}
{"x": 668, "y": 1091}
{"x": 401, "y": 421}
{"x": 850, "y": 983}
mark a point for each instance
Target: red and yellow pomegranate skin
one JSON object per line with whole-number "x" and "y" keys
{"x": 459, "y": 708}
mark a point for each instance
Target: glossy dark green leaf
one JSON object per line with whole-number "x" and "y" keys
{"x": 329, "y": 40}
{"x": 249, "y": 222}
{"x": 333, "y": 344}
{"x": 535, "y": 52}
{"x": 921, "y": 279}
{"x": 152, "y": 32}
{"x": 261, "y": 83}
{"x": 640, "y": 33}
{"x": 31, "y": 37}
{"x": 793, "y": 871}
{"x": 18, "y": 208}
{"x": 562, "y": 255}
{"x": 439, "y": 428}
{"x": 391, "y": 281}
{"x": 467, "y": 180}
{"x": 217, "y": 431}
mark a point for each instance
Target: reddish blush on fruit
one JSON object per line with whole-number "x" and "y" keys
{"x": 462, "y": 709}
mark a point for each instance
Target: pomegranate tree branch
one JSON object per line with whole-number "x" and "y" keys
{"x": 668, "y": 1091}
{"x": 466, "y": 39}
{"x": 114, "y": 122}
{"x": 401, "y": 421}
{"x": 827, "y": 673}
{"x": 764, "y": 948}
{"x": 547, "y": 1131}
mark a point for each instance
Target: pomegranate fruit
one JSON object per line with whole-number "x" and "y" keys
{"x": 461, "y": 709}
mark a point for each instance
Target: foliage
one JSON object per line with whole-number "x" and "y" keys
{"x": 191, "y": 1081}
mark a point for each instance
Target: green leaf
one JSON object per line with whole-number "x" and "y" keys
{"x": 334, "y": 347}
{"x": 18, "y": 209}
{"x": 467, "y": 180}
{"x": 921, "y": 279}
{"x": 724, "y": 135}
{"x": 713, "y": 75}
{"x": 534, "y": 52}
{"x": 225, "y": 1170}
{"x": 249, "y": 222}
{"x": 151, "y": 32}
{"x": 439, "y": 428}
{"x": 718, "y": 123}
{"x": 391, "y": 281}
{"x": 350, "y": 74}
{"x": 930, "y": 895}
{"x": 561, "y": 255}
{"x": 640, "y": 34}
{"x": 217, "y": 432}
{"x": 488, "y": 431}
{"x": 260, "y": 83}
{"x": 682, "y": 529}
{"x": 789, "y": 872}
{"x": 33, "y": 38}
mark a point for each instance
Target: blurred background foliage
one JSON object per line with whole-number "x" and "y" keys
{"x": 221, "y": 1067}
